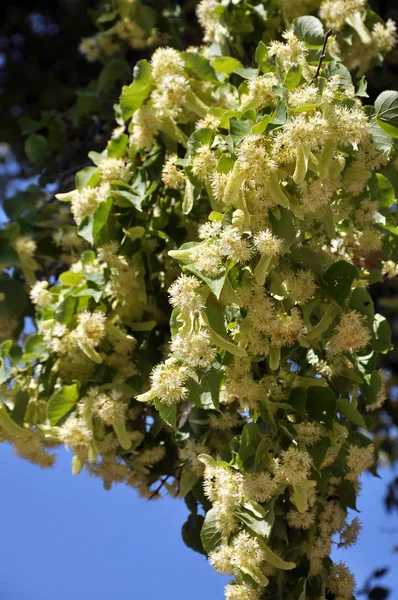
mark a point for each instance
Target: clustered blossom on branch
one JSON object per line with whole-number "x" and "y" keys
{"x": 256, "y": 203}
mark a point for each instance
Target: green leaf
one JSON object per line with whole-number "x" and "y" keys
{"x": 21, "y": 402}
{"x": 62, "y": 402}
{"x": 100, "y": 217}
{"x": 134, "y": 95}
{"x": 346, "y": 408}
{"x": 284, "y": 227}
{"x": 362, "y": 87}
{"x": 168, "y": 413}
{"x": 191, "y": 533}
{"x": 86, "y": 229}
{"x": 199, "y": 138}
{"x": 70, "y": 279}
{"x": 300, "y": 592}
{"x": 8, "y": 255}
{"x": 199, "y": 66}
{"x": 117, "y": 146}
{"x": 308, "y": 259}
{"x": 215, "y": 285}
{"x": 347, "y": 495}
{"x": 226, "y": 64}
{"x": 87, "y": 177}
{"x": 65, "y": 311}
{"x": 261, "y": 53}
{"x": 210, "y": 386}
{"x": 371, "y": 387}
{"x": 309, "y": 30}
{"x": 249, "y": 441}
{"x": 386, "y": 107}
{"x": 210, "y": 535}
{"x": 381, "y": 335}
{"x": 335, "y": 68}
{"x": 36, "y": 147}
{"x": 337, "y": 281}
{"x": 293, "y": 77}
{"x": 126, "y": 199}
{"x": 239, "y": 128}
{"x": 362, "y": 301}
{"x": 321, "y": 405}
{"x": 256, "y": 518}
{"x": 384, "y": 191}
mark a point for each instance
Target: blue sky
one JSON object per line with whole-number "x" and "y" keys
{"x": 65, "y": 537}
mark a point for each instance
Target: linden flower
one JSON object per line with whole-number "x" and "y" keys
{"x": 224, "y": 421}
{"x": 85, "y": 201}
{"x": 299, "y": 520}
{"x": 350, "y": 334}
{"x": 259, "y": 487}
{"x": 204, "y": 162}
{"x": 253, "y": 157}
{"x": 169, "y": 97}
{"x": 260, "y": 92}
{"x": 166, "y": 61}
{"x": 207, "y": 258}
{"x": 172, "y": 177}
{"x": 90, "y": 328}
{"x": 40, "y": 295}
{"x": 268, "y": 243}
{"x": 25, "y": 247}
{"x": 220, "y": 559}
{"x": 208, "y": 122}
{"x": 349, "y": 535}
{"x": 288, "y": 329}
{"x": 233, "y": 246}
{"x": 168, "y": 381}
{"x": 295, "y": 466}
{"x": 89, "y": 48}
{"x": 341, "y": 582}
{"x": 335, "y": 12}
{"x": 293, "y": 51}
{"x": 115, "y": 168}
{"x": 359, "y": 460}
{"x": 209, "y": 19}
{"x": 185, "y": 294}
{"x": 243, "y": 591}
{"x": 309, "y": 433}
{"x": 196, "y": 348}
{"x": 384, "y": 37}
{"x": 246, "y": 551}
{"x": 75, "y": 434}
{"x": 146, "y": 126}
{"x": 332, "y": 519}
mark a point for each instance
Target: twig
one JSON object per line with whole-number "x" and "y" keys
{"x": 323, "y": 54}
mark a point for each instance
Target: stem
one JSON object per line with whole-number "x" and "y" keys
{"x": 323, "y": 54}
